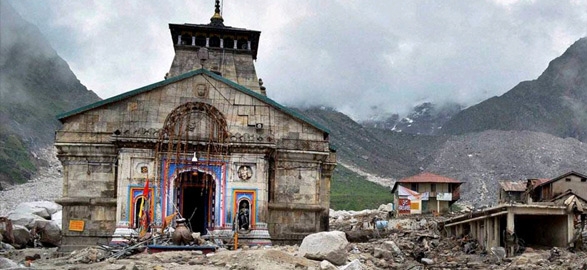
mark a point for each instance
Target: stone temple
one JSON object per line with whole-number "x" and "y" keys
{"x": 210, "y": 143}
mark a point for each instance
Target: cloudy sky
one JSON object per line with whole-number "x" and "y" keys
{"x": 360, "y": 57}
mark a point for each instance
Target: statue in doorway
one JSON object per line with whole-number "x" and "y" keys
{"x": 243, "y": 216}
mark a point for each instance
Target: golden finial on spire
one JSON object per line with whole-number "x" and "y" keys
{"x": 217, "y": 19}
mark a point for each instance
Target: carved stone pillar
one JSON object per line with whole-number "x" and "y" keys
{"x": 89, "y": 194}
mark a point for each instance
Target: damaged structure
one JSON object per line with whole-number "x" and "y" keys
{"x": 425, "y": 193}
{"x": 557, "y": 204}
{"x": 205, "y": 143}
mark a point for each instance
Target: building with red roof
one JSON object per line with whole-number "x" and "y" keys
{"x": 434, "y": 193}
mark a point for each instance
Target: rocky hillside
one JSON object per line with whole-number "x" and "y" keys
{"x": 483, "y": 159}
{"x": 426, "y": 118}
{"x": 478, "y": 159}
{"x": 555, "y": 103}
{"x": 380, "y": 151}
{"x": 36, "y": 84}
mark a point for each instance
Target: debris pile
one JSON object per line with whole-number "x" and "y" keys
{"x": 368, "y": 239}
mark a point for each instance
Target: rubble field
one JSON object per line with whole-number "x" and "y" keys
{"x": 373, "y": 240}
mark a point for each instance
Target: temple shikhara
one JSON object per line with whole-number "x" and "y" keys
{"x": 206, "y": 144}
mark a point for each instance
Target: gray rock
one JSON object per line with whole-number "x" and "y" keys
{"x": 354, "y": 265}
{"x": 115, "y": 267}
{"x": 88, "y": 255}
{"x": 22, "y": 236}
{"x": 382, "y": 253}
{"x": 6, "y": 246}
{"x": 329, "y": 246}
{"x": 6, "y": 263}
{"x": 499, "y": 253}
{"x": 423, "y": 223}
{"x": 391, "y": 245}
{"x": 385, "y": 207}
{"x": 23, "y": 218}
{"x": 326, "y": 265}
{"x": 49, "y": 232}
{"x": 57, "y": 217}
{"x": 131, "y": 266}
{"x": 427, "y": 261}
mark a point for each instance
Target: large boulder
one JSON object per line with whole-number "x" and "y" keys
{"x": 22, "y": 236}
{"x": 329, "y": 246}
{"x": 43, "y": 209}
{"x": 24, "y": 219}
{"x": 6, "y": 263}
{"x": 385, "y": 207}
{"x": 49, "y": 232}
{"x": 57, "y": 217}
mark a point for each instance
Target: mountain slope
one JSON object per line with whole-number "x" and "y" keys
{"x": 35, "y": 85}
{"x": 478, "y": 159}
{"x": 555, "y": 103}
{"x": 482, "y": 159}
{"x": 426, "y": 118}
{"x": 380, "y": 151}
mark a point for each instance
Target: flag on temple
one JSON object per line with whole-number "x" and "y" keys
{"x": 145, "y": 198}
{"x": 144, "y": 210}
{"x": 166, "y": 221}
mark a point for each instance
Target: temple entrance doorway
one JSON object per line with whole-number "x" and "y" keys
{"x": 196, "y": 200}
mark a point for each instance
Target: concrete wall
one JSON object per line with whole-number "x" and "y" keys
{"x": 535, "y": 226}
{"x": 487, "y": 232}
{"x": 578, "y": 185}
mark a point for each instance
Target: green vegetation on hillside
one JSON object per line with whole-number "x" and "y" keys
{"x": 350, "y": 191}
{"x": 15, "y": 161}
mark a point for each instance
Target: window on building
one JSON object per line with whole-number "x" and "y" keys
{"x": 583, "y": 179}
{"x": 214, "y": 42}
{"x": 568, "y": 179}
{"x": 433, "y": 187}
{"x": 200, "y": 40}
{"x": 414, "y": 186}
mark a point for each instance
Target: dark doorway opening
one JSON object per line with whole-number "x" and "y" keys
{"x": 196, "y": 200}
{"x": 542, "y": 230}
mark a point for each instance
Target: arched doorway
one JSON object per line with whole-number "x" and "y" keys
{"x": 196, "y": 199}
{"x": 191, "y": 141}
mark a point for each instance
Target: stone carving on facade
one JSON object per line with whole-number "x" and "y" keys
{"x": 245, "y": 172}
{"x": 141, "y": 132}
{"x": 247, "y": 137}
{"x": 201, "y": 90}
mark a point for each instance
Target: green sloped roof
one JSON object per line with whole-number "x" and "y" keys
{"x": 150, "y": 87}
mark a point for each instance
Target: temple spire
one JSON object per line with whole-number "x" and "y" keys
{"x": 217, "y": 19}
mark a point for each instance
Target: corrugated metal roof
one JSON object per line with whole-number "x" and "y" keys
{"x": 538, "y": 181}
{"x": 427, "y": 177}
{"x": 150, "y": 87}
{"x": 513, "y": 185}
